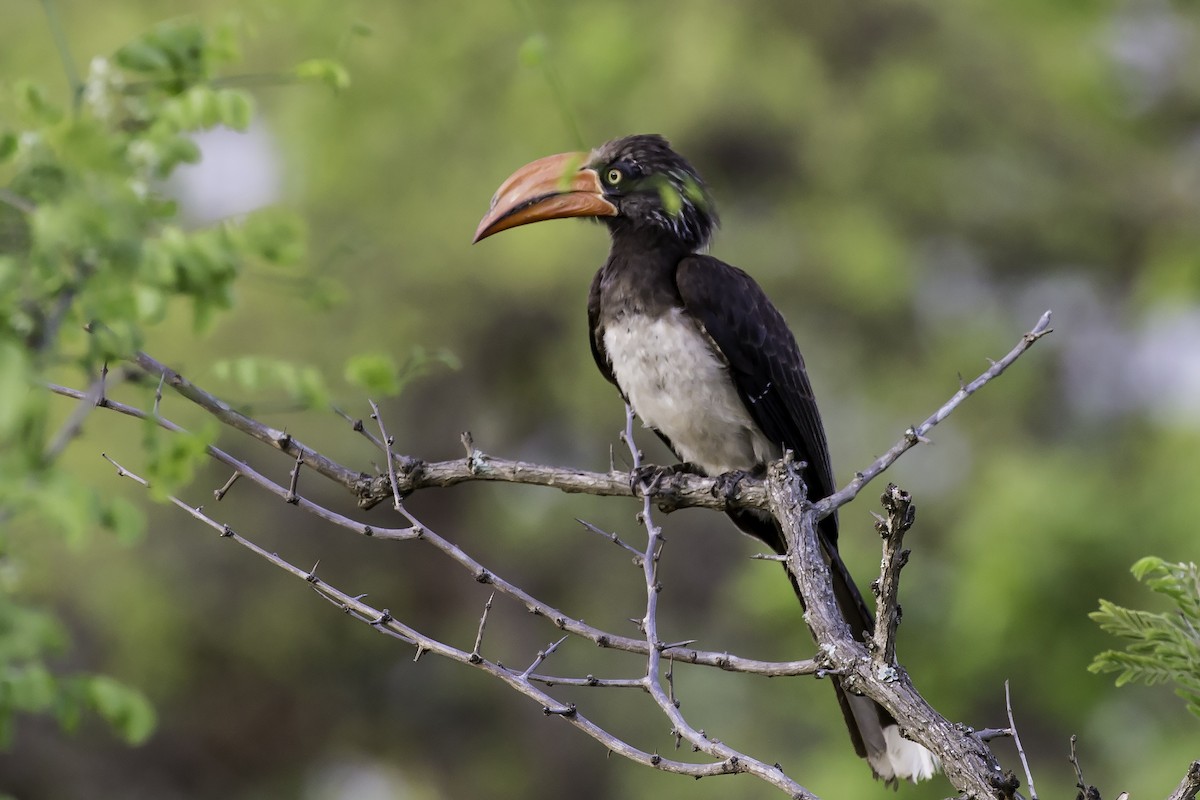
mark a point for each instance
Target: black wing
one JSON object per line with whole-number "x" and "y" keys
{"x": 596, "y": 333}
{"x": 764, "y": 362}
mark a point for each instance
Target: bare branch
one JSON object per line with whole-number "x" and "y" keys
{"x": 1189, "y": 787}
{"x": 487, "y": 607}
{"x": 383, "y": 621}
{"x": 968, "y": 763}
{"x": 722, "y": 660}
{"x": 542, "y": 655}
{"x": 612, "y": 537}
{"x": 665, "y": 698}
{"x": 95, "y": 396}
{"x": 914, "y": 436}
{"x": 1012, "y": 726}
{"x": 398, "y": 505}
{"x": 900, "y": 513}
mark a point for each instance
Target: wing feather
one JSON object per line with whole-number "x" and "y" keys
{"x": 764, "y": 362}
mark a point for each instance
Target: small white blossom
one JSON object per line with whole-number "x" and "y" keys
{"x": 101, "y": 88}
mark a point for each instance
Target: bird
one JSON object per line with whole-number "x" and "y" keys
{"x": 702, "y": 356}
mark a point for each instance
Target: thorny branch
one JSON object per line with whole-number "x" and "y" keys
{"x": 667, "y": 703}
{"x": 970, "y": 766}
{"x": 382, "y": 621}
{"x": 478, "y": 571}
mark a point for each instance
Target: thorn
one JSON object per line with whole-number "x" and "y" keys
{"x": 219, "y": 494}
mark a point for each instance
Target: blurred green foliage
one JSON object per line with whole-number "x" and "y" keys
{"x": 912, "y": 182}
{"x": 91, "y": 243}
{"x": 1165, "y": 647}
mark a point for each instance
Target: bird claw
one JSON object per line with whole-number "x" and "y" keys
{"x": 728, "y": 484}
{"x": 650, "y": 478}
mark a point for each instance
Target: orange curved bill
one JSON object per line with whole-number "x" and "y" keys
{"x": 549, "y": 188}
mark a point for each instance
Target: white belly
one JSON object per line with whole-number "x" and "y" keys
{"x": 678, "y": 385}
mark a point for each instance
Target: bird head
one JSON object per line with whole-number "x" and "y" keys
{"x": 637, "y": 185}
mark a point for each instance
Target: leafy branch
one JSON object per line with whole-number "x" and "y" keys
{"x": 1164, "y": 647}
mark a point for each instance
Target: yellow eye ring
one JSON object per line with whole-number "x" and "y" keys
{"x": 614, "y": 176}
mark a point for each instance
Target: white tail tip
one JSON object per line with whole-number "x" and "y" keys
{"x": 904, "y": 759}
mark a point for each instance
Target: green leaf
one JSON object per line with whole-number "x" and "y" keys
{"x": 29, "y": 688}
{"x": 172, "y": 458}
{"x": 31, "y": 101}
{"x": 532, "y": 52}
{"x": 123, "y": 518}
{"x": 142, "y": 56}
{"x": 374, "y": 373}
{"x": 275, "y": 235}
{"x": 325, "y": 70}
{"x": 302, "y": 384}
{"x": 126, "y": 709}
{"x": 8, "y": 145}
{"x": 1162, "y": 647}
{"x": 1144, "y": 566}
{"x": 235, "y": 108}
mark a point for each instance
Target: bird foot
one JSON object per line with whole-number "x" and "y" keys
{"x": 650, "y": 478}
{"x": 728, "y": 483}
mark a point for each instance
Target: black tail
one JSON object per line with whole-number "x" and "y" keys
{"x": 865, "y": 720}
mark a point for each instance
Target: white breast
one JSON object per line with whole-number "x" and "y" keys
{"x": 677, "y": 384}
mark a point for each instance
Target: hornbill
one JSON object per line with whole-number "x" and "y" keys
{"x": 702, "y": 356}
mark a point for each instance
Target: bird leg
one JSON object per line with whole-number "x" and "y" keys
{"x": 649, "y": 479}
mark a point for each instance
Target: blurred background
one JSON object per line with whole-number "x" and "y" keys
{"x": 913, "y": 182}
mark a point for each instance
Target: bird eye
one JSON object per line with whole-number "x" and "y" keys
{"x": 614, "y": 176}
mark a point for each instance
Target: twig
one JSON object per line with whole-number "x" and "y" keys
{"x": 1086, "y": 792}
{"x": 219, "y": 494}
{"x": 913, "y": 436}
{"x": 158, "y": 394}
{"x": 398, "y": 505}
{"x": 612, "y": 537}
{"x": 900, "y": 513}
{"x": 542, "y": 655}
{"x": 487, "y": 607}
{"x": 73, "y": 426}
{"x": 1012, "y": 726}
{"x": 356, "y": 424}
{"x": 293, "y": 482}
{"x": 590, "y": 680}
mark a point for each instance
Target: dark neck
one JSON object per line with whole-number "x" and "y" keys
{"x": 639, "y": 276}
{"x": 644, "y": 245}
